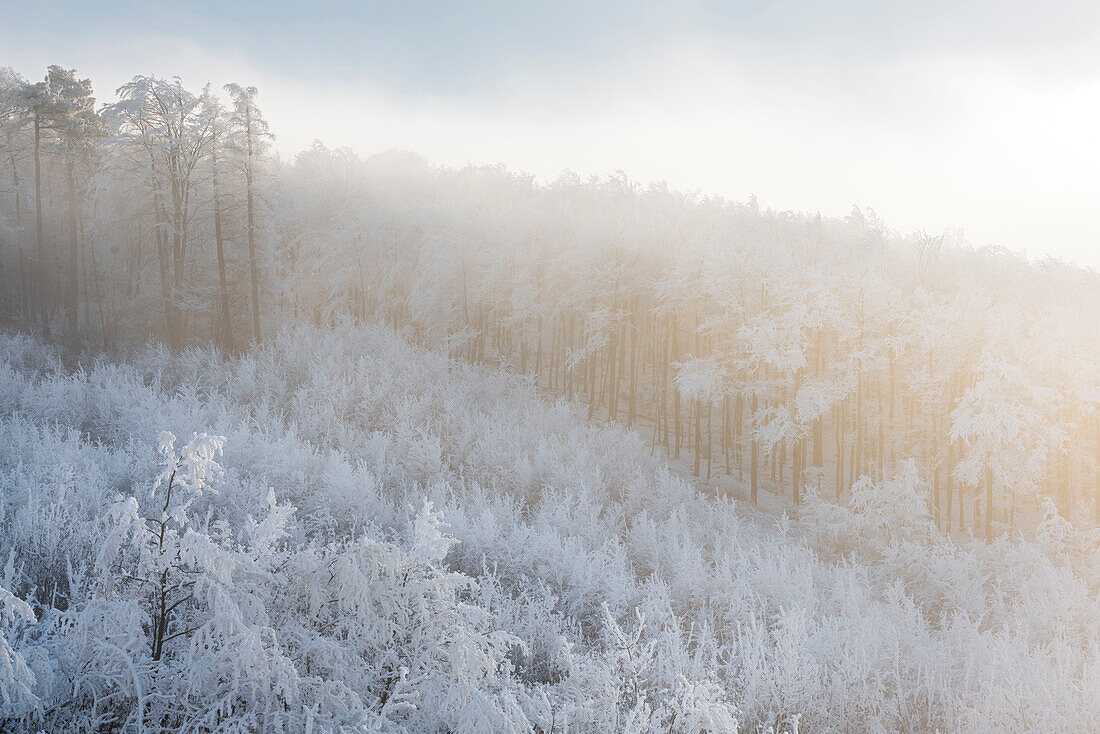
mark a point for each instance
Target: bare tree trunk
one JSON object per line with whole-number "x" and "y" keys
{"x": 223, "y": 282}
{"x": 39, "y": 245}
{"x": 249, "y": 202}
{"x": 754, "y": 455}
{"x": 962, "y": 511}
{"x": 24, "y": 285}
{"x": 1096, "y": 482}
{"x": 796, "y": 471}
{"x": 989, "y": 505}
{"x": 162, "y": 262}
{"x": 698, "y": 438}
{"x": 840, "y": 419}
{"x": 676, "y": 395}
{"x": 635, "y": 333}
{"x": 665, "y": 366}
{"x": 611, "y": 379}
{"x": 710, "y": 439}
{"x": 538, "y": 352}
{"x": 949, "y": 489}
{"x": 726, "y": 428}
{"x": 73, "y": 287}
{"x": 819, "y": 427}
{"x": 23, "y": 279}
{"x": 99, "y": 299}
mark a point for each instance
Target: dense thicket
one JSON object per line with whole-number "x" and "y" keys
{"x": 350, "y": 534}
{"x": 789, "y": 350}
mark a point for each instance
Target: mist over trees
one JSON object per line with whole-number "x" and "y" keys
{"x": 902, "y": 431}
{"x": 760, "y": 342}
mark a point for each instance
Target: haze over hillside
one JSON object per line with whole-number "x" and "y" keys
{"x": 937, "y": 116}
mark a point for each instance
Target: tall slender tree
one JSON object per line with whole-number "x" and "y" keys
{"x": 73, "y": 120}
{"x": 252, "y": 134}
{"x": 218, "y": 135}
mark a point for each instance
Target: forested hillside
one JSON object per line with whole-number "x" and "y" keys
{"x": 808, "y": 349}
{"x": 347, "y": 443}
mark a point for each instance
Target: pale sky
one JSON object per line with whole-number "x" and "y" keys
{"x": 980, "y": 116}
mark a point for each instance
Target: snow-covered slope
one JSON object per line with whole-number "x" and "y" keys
{"x": 359, "y": 534}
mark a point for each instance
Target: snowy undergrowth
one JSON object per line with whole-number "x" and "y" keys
{"x": 338, "y": 532}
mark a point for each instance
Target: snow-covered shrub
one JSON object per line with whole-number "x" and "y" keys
{"x": 561, "y": 578}
{"x": 17, "y": 681}
{"x": 877, "y": 515}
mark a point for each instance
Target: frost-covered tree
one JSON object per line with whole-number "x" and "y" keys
{"x": 250, "y": 138}
{"x": 165, "y": 124}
